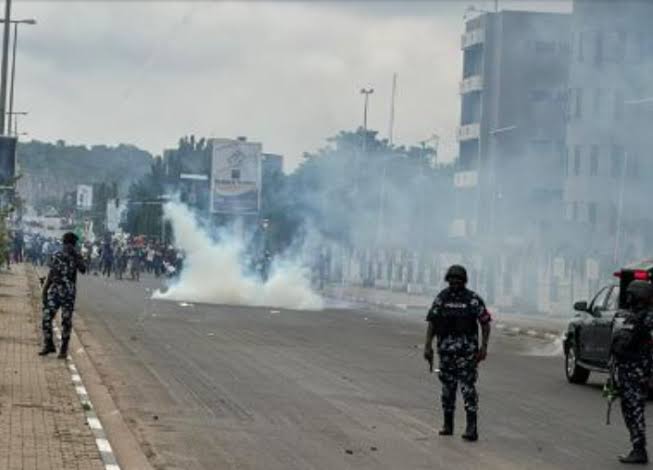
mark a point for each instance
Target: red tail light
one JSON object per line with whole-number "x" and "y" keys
{"x": 641, "y": 275}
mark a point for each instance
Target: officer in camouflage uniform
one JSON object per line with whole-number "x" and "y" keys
{"x": 59, "y": 292}
{"x": 631, "y": 349}
{"x": 454, "y": 319}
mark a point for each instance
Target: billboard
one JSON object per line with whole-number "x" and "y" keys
{"x": 84, "y": 197}
{"x": 235, "y": 176}
{"x": 7, "y": 159}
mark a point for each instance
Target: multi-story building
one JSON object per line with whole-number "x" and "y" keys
{"x": 609, "y": 138}
{"x": 272, "y": 163}
{"x": 512, "y": 129}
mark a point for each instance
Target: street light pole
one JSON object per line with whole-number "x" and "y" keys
{"x": 13, "y": 76}
{"x": 3, "y": 69}
{"x": 13, "y": 69}
{"x": 367, "y": 92}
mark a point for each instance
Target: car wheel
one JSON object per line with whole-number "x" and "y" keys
{"x": 575, "y": 373}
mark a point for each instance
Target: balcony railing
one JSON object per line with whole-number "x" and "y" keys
{"x": 465, "y": 179}
{"x": 470, "y": 84}
{"x": 469, "y": 132}
{"x": 473, "y": 38}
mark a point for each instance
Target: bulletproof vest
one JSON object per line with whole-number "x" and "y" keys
{"x": 68, "y": 269}
{"x": 457, "y": 317}
{"x": 632, "y": 340}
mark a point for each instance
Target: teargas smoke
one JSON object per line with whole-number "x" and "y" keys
{"x": 214, "y": 273}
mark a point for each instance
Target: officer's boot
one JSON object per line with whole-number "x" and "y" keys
{"x": 637, "y": 455}
{"x": 447, "y": 428}
{"x": 48, "y": 347}
{"x": 63, "y": 352}
{"x": 471, "y": 433}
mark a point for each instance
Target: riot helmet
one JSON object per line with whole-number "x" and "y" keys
{"x": 456, "y": 271}
{"x": 70, "y": 238}
{"x": 640, "y": 293}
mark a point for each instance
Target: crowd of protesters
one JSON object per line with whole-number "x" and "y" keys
{"x": 129, "y": 257}
{"x": 122, "y": 257}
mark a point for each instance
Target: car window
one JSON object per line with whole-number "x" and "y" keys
{"x": 599, "y": 299}
{"x": 613, "y": 299}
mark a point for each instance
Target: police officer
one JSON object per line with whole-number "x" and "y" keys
{"x": 59, "y": 292}
{"x": 454, "y": 319}
{"x": 631, "y": 349}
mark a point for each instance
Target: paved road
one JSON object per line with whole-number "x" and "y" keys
{"x": 213, "y": 387}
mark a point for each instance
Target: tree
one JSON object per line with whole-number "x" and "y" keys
{"x": 144, "y": 210}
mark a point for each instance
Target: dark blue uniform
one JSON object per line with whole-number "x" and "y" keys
{"x": 456, "y": 315}
{"x": 633, "y": 370}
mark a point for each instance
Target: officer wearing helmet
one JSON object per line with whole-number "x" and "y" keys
{"x": 454, "y": 319}
{"x": 631, "y": 351}
{"x": 59, "y": 292}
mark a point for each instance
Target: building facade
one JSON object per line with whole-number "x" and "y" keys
{"x": 511, "y": 137}
{"x": 610, "y": 116}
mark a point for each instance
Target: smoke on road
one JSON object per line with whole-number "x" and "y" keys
{"x": 214, "y": 273}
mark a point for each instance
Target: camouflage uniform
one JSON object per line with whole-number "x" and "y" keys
{"x": 633, "y": 378}
{"x": 61, "y": 294}
{"x": 633, "y": 372}
{"x": 456, "y": 315}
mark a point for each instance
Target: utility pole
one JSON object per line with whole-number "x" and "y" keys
{"x": 392, "y": 110}
{"x": 13, "y": 78}
{"x": 3, "y": 70}
{"x": 367, "y": 92}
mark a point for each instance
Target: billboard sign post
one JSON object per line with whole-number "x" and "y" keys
{"x": 235, "y": 177}
{"x": 84, "y": 197}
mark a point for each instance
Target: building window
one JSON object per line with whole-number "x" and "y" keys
{"x": 574, "y": 211}
{"x": 564, "y": 157}
{"x": 591, "y": 208}
{"x": 235, "y": 174}
{"x": 597, "y": 101}
{"x": 594, "y": 160}
{"x": 540, "y": 95}
{"x": 577, "y": 160}
{"x": 617, "y": 157}
{"x": 545, "y": 47}
{"x": 618, "y": 105}
{"x": 578, "y": 111}
{"x": 579, "y": 47}
{"x": 598, "y": 49}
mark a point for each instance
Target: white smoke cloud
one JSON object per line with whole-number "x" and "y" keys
{"x": 213, "y": 271}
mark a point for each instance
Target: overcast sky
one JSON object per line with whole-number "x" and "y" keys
{"x": 285, "y": 74}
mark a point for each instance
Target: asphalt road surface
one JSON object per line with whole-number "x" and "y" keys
{"x": 223, "y": 387}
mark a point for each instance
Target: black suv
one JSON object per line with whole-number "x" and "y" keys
{"x": 589, "y": 334}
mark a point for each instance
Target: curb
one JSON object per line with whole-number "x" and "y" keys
{"x": 101, "y": 441}
{"x": 500, "y": 325}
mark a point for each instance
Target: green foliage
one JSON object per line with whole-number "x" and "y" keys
{"x": 71, "y": 165}
{"x": 358, "y": 189}
{"x": 5, "y": 241}
{"x": 144, "y": 208}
